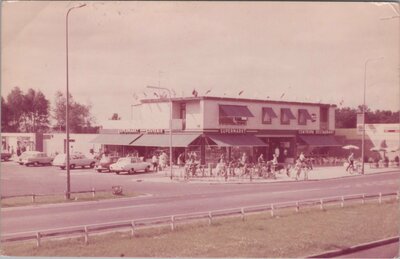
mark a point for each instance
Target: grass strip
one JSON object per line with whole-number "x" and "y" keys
{"x": 287, "y": 234}
{"x": 49, "y": 199}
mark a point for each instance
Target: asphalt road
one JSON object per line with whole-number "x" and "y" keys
{"x": 385, "y": 251}
{"x": 163, "y": 198}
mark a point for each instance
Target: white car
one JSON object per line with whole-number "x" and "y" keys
{"x": 34, "y": 158}
{"x": 75, "y": 160}
{"x": 130, "y": 165}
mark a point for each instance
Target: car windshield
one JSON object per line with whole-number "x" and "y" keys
{"x": 124, "y": 160}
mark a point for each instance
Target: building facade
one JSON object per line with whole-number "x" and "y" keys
{"x": 212, "y": 126}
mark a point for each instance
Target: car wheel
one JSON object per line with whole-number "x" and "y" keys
{"x": 92, "y": 165}
{"x": 62, "y": 167}
{"x": 72, "y": 166}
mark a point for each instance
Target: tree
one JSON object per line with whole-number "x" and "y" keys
{"x": 15, "y": 102}
{"x": 80, "y": 118}
{"x": 115, "y": 117}
{"x": 347, "y": 117}
{"x": 5, "y": 113}
{"x": 35, "y": 111}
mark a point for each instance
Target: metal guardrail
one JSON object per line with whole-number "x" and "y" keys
{"x": 172, "y": 220}
{"x": 34, "y": 195}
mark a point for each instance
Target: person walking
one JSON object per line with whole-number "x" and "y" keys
{"x": 350, "y": 160}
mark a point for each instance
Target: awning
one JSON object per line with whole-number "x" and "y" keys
{"x": 234, "y": 140}
{"x": 305, "y": 113}
{"x": 288, "y": 113}
{"x": 270, "y": 112}
{"x": 162, "y": 140}
{"x": 320, "y": 141}
{"x": 235, "y": 111}
{"x": 115, "y": 139}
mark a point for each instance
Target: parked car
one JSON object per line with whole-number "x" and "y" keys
{"x": 105, "y": 162}
{"x": 130, "y": 165}
{"x": 34, "y": 158}
{"x": 5, "y": 156}
{"x": 75, "y": 160}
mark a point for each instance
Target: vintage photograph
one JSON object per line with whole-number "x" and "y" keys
{"x": 200, "y": 129}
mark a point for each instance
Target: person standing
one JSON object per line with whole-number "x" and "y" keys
{"x": 180, "y": 160}
{"x": 154, "y": 161}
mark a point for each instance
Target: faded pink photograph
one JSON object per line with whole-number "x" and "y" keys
{"x": 185, "y": 129}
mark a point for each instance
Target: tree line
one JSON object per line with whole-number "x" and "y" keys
{"x": 346, "y": 117}
{"x": 31, "y": 112}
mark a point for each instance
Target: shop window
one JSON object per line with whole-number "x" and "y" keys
{"x": 232, "y": 120}
{"x": 267, "y": 115}
{"x": 286, "y": 116}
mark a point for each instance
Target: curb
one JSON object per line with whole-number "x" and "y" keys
{"x": 356, "y": 248}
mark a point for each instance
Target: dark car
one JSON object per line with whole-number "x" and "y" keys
{"x": 105, "y": 162}
{"x": 5, "y": 156}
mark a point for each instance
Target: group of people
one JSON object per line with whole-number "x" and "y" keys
{"x": 159, "y": 162}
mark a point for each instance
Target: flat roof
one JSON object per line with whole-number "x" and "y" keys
{"x": 178, "y": 99}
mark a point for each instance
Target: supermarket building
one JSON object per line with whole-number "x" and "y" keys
{"x": 211, "y": 126}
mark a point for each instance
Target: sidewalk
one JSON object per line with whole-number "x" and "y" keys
{"x": 318, "y": 173}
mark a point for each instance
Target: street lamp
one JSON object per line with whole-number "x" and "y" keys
{"x": 363, "y": 111}
{"x": 67, "y": 104}
{"x": 170, "y": 124}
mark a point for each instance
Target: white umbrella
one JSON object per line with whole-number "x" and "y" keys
{"x": 377, "y": 149}
{"x": 350, "y": 147}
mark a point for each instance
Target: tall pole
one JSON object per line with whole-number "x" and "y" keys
{"x": 363, "y": 112}
{"x": 68, "y": 195}
{"x": 170, "y": 125}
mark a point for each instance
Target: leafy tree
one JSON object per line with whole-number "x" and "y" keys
{"x": 5, "y": 113}
{"x": 80, "y": 118}
{"x": 35, "y": 111}
{"x": 15, "y": 103}
{"x": 347, "y": 117}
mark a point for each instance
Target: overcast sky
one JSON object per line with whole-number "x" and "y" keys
{"x": 308, "y": 51}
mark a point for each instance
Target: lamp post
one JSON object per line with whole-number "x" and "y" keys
{"x": 170, "y": 124}
{"x": 363, "y": 111}
{"x": 67, "y": 102}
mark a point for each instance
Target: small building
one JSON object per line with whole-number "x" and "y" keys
{"x": 212, "y": 126}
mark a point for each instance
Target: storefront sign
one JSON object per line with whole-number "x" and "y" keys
{"x": 128, "y": 131}
{"x": 232, "y": 131}
{"x": 316, "y": 132}
{"x": 155, "y": 131}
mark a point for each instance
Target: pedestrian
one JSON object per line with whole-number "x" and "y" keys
{"x": 244, "y": 159}
{"x": 18, "y": 151}
{"x": 350, "y": 160}
{"x": 181, "y": 160}
{"x": 260, "y": 159}
{"x": 222, "y": 158}
{"x": 154, "y": 161}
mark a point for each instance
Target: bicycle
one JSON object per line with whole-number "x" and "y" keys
{"x": 354, "y": 168}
